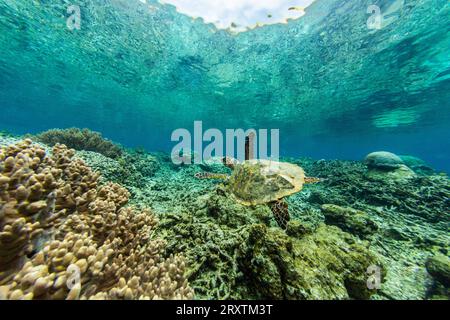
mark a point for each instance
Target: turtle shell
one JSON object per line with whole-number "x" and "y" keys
{"x": 262, "y": 181}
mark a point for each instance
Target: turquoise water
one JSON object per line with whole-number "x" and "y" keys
{"x": 334, "y": 87}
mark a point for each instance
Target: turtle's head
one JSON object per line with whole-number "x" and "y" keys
{"x": 230, "y": 162}
{"x": 209, "y": 175}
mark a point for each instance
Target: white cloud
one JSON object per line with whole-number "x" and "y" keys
{"x": 243, "y": 13}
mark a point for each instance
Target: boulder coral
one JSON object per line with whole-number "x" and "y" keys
{"x": 62, "y": 236}
{"x": 383, "y": 160}
{"x": 384, "y": 165}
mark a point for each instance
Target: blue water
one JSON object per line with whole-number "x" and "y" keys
{"x": 334, "y": 87}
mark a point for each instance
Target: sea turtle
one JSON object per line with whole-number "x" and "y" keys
{"x": 255, "y": 182}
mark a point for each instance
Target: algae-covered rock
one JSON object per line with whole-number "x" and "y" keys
{"x": 298, "y": 229}
{"x": 387, "y": 166}
{"x": 228, "y": 212}
{"x": 110, "y": 169}
{"x": 395, "y": 233}
{"x": 400, "y": 174}
{"x": 438, "y": 266}
{"x": 233, "y": 253}
{"x": 326, "y": 264}
{"x": 383, "y": 160}
{"x": 350, "y": 220}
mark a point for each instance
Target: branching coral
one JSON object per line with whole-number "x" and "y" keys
{"x": 80, "y": 139}
{"x": 55, "y": 219}
{"x": 347, "y": 184}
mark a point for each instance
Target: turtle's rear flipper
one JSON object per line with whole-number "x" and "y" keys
{"x": 280, "y": 211}
{"x": 209, "y": 175}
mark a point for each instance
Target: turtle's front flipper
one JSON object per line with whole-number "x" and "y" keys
{"x": 209, "y": 175}
{"x": 280, "y": 210}
{"x": 310, "y": 180}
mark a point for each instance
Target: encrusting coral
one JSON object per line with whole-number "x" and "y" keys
{"x": 80, "y": 139}
{"x": 349, "y": 220}
{"x": 235, "y": 252}
{"x": 58, "y": 225}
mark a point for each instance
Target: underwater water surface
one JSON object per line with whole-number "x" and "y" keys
{"x": 337, "y": 218}
{"x": 334, "y": 87}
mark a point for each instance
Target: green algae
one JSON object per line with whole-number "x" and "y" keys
{"x": 324, "y": 264}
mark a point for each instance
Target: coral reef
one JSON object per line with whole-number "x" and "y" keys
{"x": 5, "y": 134}
{"x": 412, "y": 218}
{"x": 133, "y": 169}
{"x": 236, "y": 252}
{"x": 338, "y": 228}
{"x": 406, "y": 223}
{"x": 80, "y": 139}
{"x": 347, "y": 184}
{"x": 55, "y": 218}
{"x": 111, "y": 170}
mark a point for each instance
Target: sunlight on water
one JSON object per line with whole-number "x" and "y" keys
{"x": 238, "y": 15}
{"x": 395, "y": 118}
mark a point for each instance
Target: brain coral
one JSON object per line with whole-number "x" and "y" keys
{"x": 64, "y": 237}
{"x": 383, "y": 160}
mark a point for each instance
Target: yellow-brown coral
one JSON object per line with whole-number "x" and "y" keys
{"x": 80, "y": 139}
{"x": 64, "y": 237}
